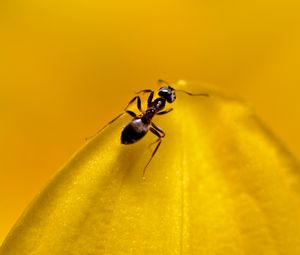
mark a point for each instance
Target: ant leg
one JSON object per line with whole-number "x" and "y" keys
{"x": 164, "y": 112}
{"x": 150, "y": 96}
{"x": 139, "y": 103}
{"x": 158, "y": 141}
{"x": 144, "y": 91}
{"x": 149, "y": 146}
{"x": 113, "y": 120}
{"x": 163, "y": 134}
{"x": 160, "y": 81}
{"x": 192, "y": 94}
{"x": 132, "y": 114}
{"x": 149, "y": 101}
{"x": 153, "y": 154}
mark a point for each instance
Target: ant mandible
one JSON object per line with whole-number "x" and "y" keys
{"x": 141, "y": 123}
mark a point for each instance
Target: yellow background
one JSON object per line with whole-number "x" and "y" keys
{"x": 67, "y": 67}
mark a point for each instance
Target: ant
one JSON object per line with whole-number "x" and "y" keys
{"x": 141, "y": 123}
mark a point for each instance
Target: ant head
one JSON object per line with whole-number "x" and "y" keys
{"x": 167, "y": 93}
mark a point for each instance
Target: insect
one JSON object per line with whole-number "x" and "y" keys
{"x": 141, "y": 123}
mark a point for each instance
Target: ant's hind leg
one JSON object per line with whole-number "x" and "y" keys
{"x": 158, "y": 141}
{"x": 132, "y": 114}
{"x": 162, "y": 133}
{"x": 113, "y": 120}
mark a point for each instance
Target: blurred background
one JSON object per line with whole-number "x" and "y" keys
{"x": 68, "y": 67}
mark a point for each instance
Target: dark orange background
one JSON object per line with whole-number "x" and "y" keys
{"x": 67, "y": 67}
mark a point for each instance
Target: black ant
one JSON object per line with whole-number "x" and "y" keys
{"x": 138, "y": 127}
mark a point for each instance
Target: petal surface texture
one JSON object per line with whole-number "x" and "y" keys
{"x": 220, "y": 183}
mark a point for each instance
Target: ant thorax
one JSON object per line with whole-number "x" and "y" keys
{"x": 147, "y": 116}
{"x": 158, "y": 104}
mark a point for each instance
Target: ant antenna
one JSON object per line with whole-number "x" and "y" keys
{"x": 192, "y": 94}
{"x": 163, "y": 82}
{"x": 186, "y": 92}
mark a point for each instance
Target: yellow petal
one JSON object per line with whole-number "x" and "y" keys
{"x": 219, "y": 184}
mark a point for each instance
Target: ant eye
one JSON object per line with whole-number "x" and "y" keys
{"x": 172, "y": 97}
